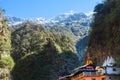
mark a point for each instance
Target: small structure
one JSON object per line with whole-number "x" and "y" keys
{"x": 108, "y": 71}
{"x": 111, "y": 71}
{"x": 86, "y": 72}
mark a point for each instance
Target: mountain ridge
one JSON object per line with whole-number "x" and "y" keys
{"x": 54, "y": 47}
{"x": 58, "y": 19}
{"x": 77, "y": 24}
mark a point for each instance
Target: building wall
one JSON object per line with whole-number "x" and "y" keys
{"x": 112, "y": 70}
{"x": 82, "y": 76}
{"x": 95, "y": 78}
{"x": 91, "y": 78}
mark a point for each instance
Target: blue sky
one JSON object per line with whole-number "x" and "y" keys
{"x": 45, "y": 8}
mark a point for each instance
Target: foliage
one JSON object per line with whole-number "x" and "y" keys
{"x": 6, "y": 61}
{"x": 42, "y": 54}
{"x": 105, "y": 29}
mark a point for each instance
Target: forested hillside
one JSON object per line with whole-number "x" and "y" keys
{"x": 104, "y": 37}
{"x": 42, "y": 54}
{"x": 6, "y": 62}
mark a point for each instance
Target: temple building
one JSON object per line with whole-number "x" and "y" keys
{"x": 91, "y": 72}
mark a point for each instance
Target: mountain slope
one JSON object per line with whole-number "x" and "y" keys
{"x": 61, "y": 19}
{"x": 42, "y": 54}
{"x": 6, "y": 62}
{"x": 48, "y": 46}
{"x": 104, "y": 37}
{"x": 77, "y": 24}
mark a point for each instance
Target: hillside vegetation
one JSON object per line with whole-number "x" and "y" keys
{"x": 42, "y": 54}
{"x": 6, "y": 62}
{"x": 104, "y": 37}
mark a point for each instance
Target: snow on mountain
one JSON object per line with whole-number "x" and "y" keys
{"x": 70, "y": 17}
{"x": 77, "y": 23}
{"x": 14, "y": 20}
{"x": 89, "y": 13}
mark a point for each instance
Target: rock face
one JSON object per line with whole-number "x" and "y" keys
{"x": 6, "y": 62}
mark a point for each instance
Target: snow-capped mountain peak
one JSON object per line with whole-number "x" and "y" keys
{"x": 89, "y": 13}
{"x": 69, "y": 17}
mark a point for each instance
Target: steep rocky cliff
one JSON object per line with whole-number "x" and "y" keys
{"x": 104, "y": 37}
{"x": 6, "y": 62}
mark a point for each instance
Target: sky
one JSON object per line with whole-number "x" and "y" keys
{"x": 45, "y": 8}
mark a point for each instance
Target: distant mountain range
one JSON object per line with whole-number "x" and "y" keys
{"x": 83, "y": 18}
{"x": 77, "y": 23}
